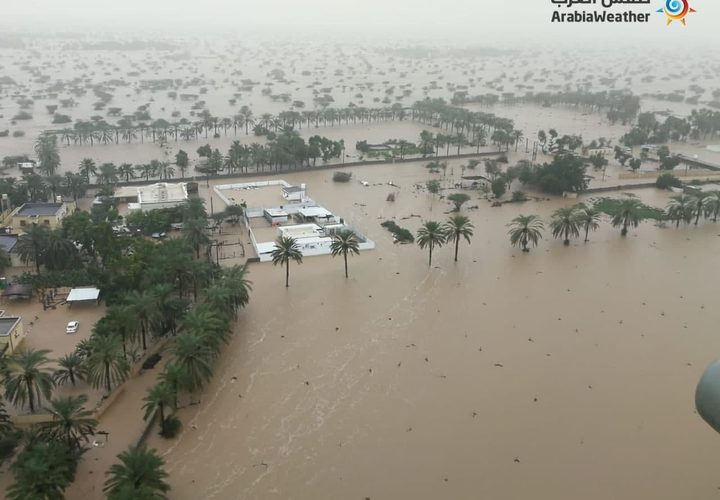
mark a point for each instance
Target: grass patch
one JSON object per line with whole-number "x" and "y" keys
{"x": 611, "y": 206}
{"x": 401, "y": 234}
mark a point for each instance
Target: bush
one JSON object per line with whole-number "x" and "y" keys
{"x": 4, "y": 133}
{"x": 401, "y": 234}
{"x": 518, "y": 197}
{"x": 172, "y": 427}
{"x": 667, "y": 180}
{"x": 498, "y": 187}
{"x": 60, "y": 118}
{"x": 342, "y": 176}
{"x": 18, "y": 133}
{"x": 22, "y": 115}
{"x": 390, "y": 197}
{"x": 458, "y": 200}
{"x": 151, "y": 361}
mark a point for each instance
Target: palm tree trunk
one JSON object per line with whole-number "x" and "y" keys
{"x": 162, "y": 418}
{"x": 107, "y": 376}
{"x": 346, "y": 269}
{"x": 430, "y": 256}
{"x": 457, "y": 246}
{"x": 287, "y": 274}
{"x": 587, "y": 230}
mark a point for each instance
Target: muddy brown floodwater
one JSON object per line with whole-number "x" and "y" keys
{"x": 565, "y": 373}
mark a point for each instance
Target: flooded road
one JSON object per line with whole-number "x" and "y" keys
{"x": 565, "y": 373}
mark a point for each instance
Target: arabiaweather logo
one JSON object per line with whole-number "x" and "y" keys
{"x": 677, "y": 10}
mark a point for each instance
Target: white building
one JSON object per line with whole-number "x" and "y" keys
{"x": 153, "y": 196}
{"x": 294, "y": 193}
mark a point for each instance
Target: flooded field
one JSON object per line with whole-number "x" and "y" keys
{"x": 564, "y": 373}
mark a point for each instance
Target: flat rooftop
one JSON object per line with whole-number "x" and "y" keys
{"x": 154, "y": 193}
{"x": 7, "y": 242}
{"x": 6, "y": 324}
{"x": 38, "y": 209}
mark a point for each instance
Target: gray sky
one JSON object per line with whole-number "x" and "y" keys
{"x": 481, "y": 21}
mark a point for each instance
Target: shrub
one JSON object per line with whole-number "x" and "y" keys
{"x": 4, "y": 133}
{"x": 458, "y": 200}
{"x": 151, "y": 361}
{"x": 172, "y": 427}
{"x": 18, "y": 133}
{"x": 667, "y": 180}
{"x": 60, "y": 118}
{"x": 498, "y": 187}
{"x": 342, "y": 176}
{"x": 518, "y": 197}
{"x": 22, "y": 115}
{"x": 401, "y": 234}
{"x": 390, "y": 197}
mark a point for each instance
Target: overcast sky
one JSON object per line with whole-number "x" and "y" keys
{"x": 482, "y": 21}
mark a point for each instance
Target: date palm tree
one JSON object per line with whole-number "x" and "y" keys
{"x": 457, "y": 227}
{"x": 525, "y": 229}
{"x": 431, "y": 235}
{"x": 564, "y": 224}
{"x": 158, "y": 397}
{"x": 139, "y": 474}
{"x": 711, "y": 205}
{"x": 195, "y": 234}
{"x": 27, "y": 379}
{"x": 71, "y": 422}
{"x": 88, "y": 168}
{"x": 31, "y": 244}
{"x": 698, "y": 203}
{"x": 629, "y": 214}
{"x": 345, "y": 242}
{"x": 193, "y": 353}
{"x": 286, "y": 249}
{"x": 106, "y": 363}
{"x": 680, "y": 209}
{"x": 71, "y": 368}
{"x": 588, "y": 219}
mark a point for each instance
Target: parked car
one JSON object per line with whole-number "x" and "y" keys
{"x": 72, "y": 327}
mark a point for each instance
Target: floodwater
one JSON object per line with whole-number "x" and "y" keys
{"x": 565, "y": 373}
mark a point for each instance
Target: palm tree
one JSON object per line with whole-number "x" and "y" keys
{"x": 286, "y": 249}
{"x": 158, "y": 397}
{"x": 193, "y": 353}
{"x": 141, "y": 305}
{"x": 712, "y": 204}
{"x": 699, "y": 205}
{"x": 345, "y": 242}
{"x": 71, "y": 422}
{"x": 106, "y": 363}
{"x": 564, "y": 224}
{"x": 588, "y": 218}
{"x": 27, "y": 379}
{"x": 43, "y": 470}
{"x": 139, "y": 474}
{"x": 526, "y": 229}
{"x": 629, "y": 214}
{"x": 195, "y": 233}
{"x": 88, "y": 168}
{"x": 175, "y": 377}
{"x": 680, "y": 209}
{"x": 72, "y": 368}
{"x": 431, "y": 235}
{"x": 31, "y": 244}
{"x": 457, "y": 227}
{"x": 126, "y": 170}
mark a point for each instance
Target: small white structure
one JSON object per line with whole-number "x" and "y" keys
{"x": 83, "y": 295}
{"x": 294, "y": 193}
{"x": 317, "y": 214}
{"x": 153, "y": 196}
{"x": 275, "y": 215}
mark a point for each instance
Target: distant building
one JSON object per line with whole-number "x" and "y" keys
{"x": 8, "y": 243}
{"x": 12, "y": 334}
{"x": 275, "y": 215}
{"x": 294, "y": 193}
{"x": 153, "y": 196}
{"x": 47, "y": 214}
{"x": 26, "y": 167}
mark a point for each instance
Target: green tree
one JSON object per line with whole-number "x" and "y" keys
{"x": 564, "y": 224}
{"x": 182, "y": 161}
{"x": 457, "y": 227}
{"x": 139, "y": 475}
{"x": 629, "y": 213}
{"x": 158, "y": 397}
{"x": 525, "y": 229}
{"x": 127, "y": 171}
{"x": 498, "y": 187}
{"x": 88, "y": 168}
{"x": 588, "y": 219}
{"x": 106, "y": 363}
{"x": 458, "y": 199}
{"x": 71, "y": 422}
{"x": 42, "y": 471}
{"x": 431, "y": 235}
{"x": 711, "y": 204}
{"x": 46, "y": 151}
{"x": 195, "y": 234}
{"x": 680, "y": 209}
{"x": 194, "y": 354}
{"x": 27, "y": 379}
{"x": 286, "y": 249}
{"x": 71, "y": 367}
{"x": 31, "y": 244}
{"x": 345, "y": 242}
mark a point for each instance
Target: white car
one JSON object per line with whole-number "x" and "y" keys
{"x": 72, "y": 327}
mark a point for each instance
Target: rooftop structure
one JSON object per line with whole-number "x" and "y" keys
{"x": 294, "y": 193}
{"x": 49, "y": 214}
{"x": 12, "y": 334}
{"x": 83, "y": 295}
{"x": 153, "y": 196}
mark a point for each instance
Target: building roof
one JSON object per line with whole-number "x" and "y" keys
{"x": 18, "y": 290}
{"x": 160, "y": 192}
{"x": 315, "y": 212}
{"x": 38, "y": 209}
{"x": 276, "y": 212}
{"x": 8, "y": 242}
{"x": 293, "y": 189}
{"x": 7, "y": 323}
{"x": 83, "y": 294}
